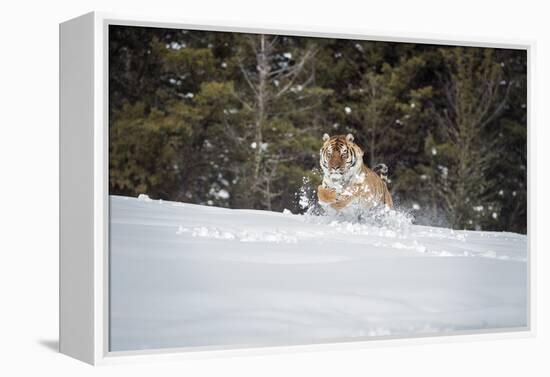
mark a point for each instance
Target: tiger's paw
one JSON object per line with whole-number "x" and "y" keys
{"x": 326, "y": 195}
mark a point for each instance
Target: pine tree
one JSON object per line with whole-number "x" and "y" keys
{"x": 475, "y": 96}
{"x": 277, "y": 85}
{"x": 235, "y": 120}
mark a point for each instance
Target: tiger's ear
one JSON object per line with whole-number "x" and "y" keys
{"x": 326, "y": 137}
{"x": 349, "y": 137}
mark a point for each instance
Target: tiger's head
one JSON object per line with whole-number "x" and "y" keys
{"x": 340, "y": 157}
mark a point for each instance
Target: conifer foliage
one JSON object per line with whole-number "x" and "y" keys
{"x": 235, "y": 120}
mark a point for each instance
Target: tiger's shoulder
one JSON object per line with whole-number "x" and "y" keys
{"x": 373, "y": 186}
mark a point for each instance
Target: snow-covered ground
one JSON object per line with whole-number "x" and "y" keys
{"x": 185, "y": 275}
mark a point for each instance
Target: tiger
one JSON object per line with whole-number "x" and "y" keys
{"x": 346, "y": 179}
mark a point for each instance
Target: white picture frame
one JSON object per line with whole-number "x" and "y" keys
{"x": 84, "y": 211}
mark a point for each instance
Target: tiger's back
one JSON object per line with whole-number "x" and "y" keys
{"x": 374, "y": 189}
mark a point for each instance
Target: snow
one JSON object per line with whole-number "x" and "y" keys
{"x": 304, "y": 201}
{"x": 176, "y": 46}
{"x": 186, "y": 275}
{"x": 219, "y": 194}
{"x": 144, "y": 198}
{"x": 444, "y": 170}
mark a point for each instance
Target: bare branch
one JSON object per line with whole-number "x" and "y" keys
{"x": 500, "y": 107}
{"x": 274, "y": 40}
{"x": 294, "y": 73}
{"x": 242, "y": 101}
{"x": 247, "y": 78}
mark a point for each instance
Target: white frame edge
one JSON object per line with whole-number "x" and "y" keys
{"x": 76, "y": 188}
{"x": 84, "y": 214}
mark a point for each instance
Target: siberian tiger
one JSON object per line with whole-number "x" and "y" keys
{"x": 347, "y": 179}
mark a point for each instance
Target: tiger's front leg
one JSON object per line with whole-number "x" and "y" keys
{"x": 342, "y": 200}
{"x": 326, "y": 195}
{"x": 329, "y": 196}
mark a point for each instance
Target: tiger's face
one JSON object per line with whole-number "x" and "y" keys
{"x": 340, "y": 156}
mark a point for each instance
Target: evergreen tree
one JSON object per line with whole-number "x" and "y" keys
{"x": 235, "y": 120}
{"x": 475, "y": 96}
{"x": 276, "y": 90}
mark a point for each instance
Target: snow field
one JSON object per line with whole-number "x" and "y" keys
{"x": 185, "y": 275}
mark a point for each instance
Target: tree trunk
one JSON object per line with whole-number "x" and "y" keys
{"x": 262, "y": 59}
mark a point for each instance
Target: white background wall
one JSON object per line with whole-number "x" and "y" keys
{"x": 29, "y": 188}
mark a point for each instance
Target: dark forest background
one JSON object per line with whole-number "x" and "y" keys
{"x": 236, "y": 120}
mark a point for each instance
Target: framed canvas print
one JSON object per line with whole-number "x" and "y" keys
{"x": 228, "y": 188}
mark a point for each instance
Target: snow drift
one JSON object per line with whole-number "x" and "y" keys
{"x": 185, "y": 275}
